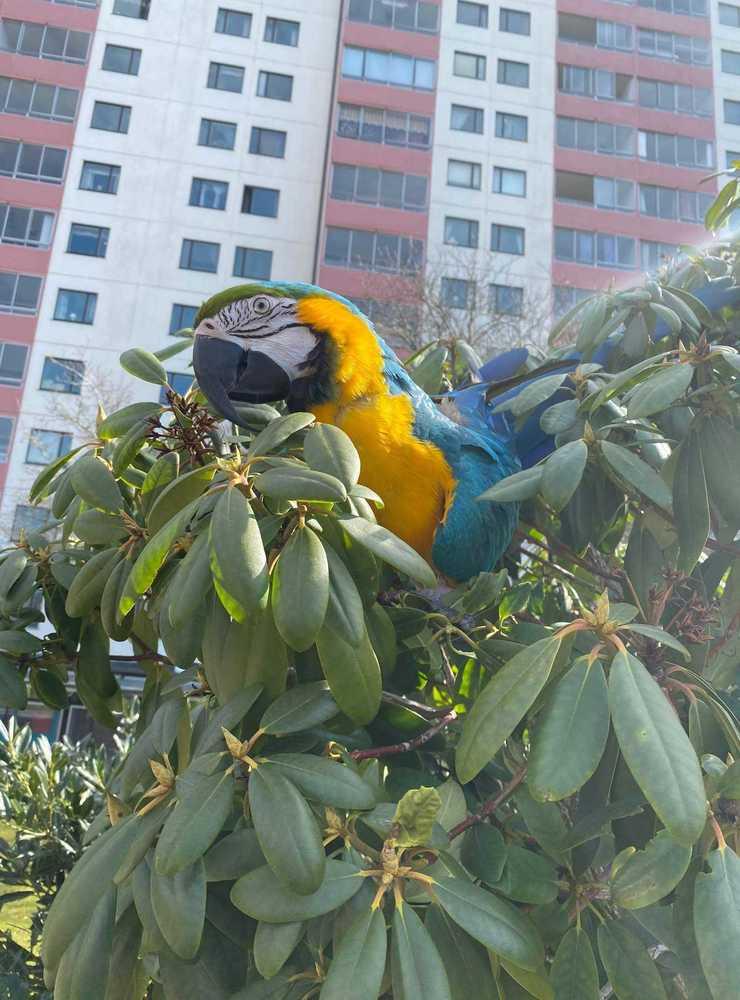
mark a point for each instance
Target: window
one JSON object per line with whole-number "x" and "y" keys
{"x": 25, "y": 227}
{"x": 511, "y": 126}
{"x": 208, "y": 194}
{"x": 111, "y": 117}
{"x": 180, "y": 383}
{"x": 508, "y": 181}
{"x": 566, "y": 296}
{"x": 465, "y": 119}
{"x": 731, "y": 158}
{"x": 122, "y": 59}
{"x": 132, "y": 8}
{"x": 75, "y": 307}
{"x": 31, "y": 162}
{"x": 43, "y": 41}
{"x": 677, "y": 48}
{"x": 12, "y": 363}
{"x": 182, "y": 317}
{"x": 602, "y": 249}
{"x": 730, "y": 62}
{"x": 517, "y": 22}
{"x": 506, "y": 300}
{"x": 667, "y": 203}
{"x": 474, "y": 14}
{"x": 611, "y": 35}
{"x": 393, "y": 128}
{"x": 729, "y": 14}
{"x": 388, "y": 67}
{"x": 62, "y": 375}
{"x": 6, "y": 435}
{"x": 369, "y": 251}
{"x": 507, "y": 239}
{"x": 614, "y": 194}
{"x": 260, "y": 201}
{"x": 457, "y": 293}
{"x": 100, "y": 177}
{"x": 601, "y": 84}
{"x": 27, "y": 518}
{"x": 91, "y": 241}
{"x": 219, "y": 135}
{"x": 601, "y": 137}
{"x": 461, "y": 173}
{"x": 655, "y": 255}
{"x": 411, "y": 15}
{"x": 233, "y": 22}
{"x": 37, "y": 100}
{"x": 281, "y": 32}
{"x": 197, "y": 255}
{"x": 461, "y": 232}
{"x": 276, "y": 86}
{"x": 697, "y": 8}
{"x": 19, "y": 293}
{"x": 251, "y": 263}
{"x": 674, "y": 97}
{"x": 664, "y": 147}
{"x": 470, "y": 65}
{"x": 222, "y": 76}
{"x": 46, "y": 446}
{"x": 732, "y": 112}
{"x": 372, "y": 186}
{"x": 267, "y": 142}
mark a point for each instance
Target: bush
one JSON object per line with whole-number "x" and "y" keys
{"x": 527, "y": 786}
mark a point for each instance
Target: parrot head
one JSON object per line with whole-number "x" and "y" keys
{"x": 254, "y": 344}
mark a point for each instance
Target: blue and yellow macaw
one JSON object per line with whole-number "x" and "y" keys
{"x": 272, "y": 341}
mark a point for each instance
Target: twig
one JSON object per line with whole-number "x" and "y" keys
{"x": 156, "y": 657}
{"x": 407, "y": 745}
{"x": 491, "y": 805}
{"x": 401, "y": 701}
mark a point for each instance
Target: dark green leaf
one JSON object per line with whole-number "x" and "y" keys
{"x": 262, "y": 896}
{"x": 357, "y": 968}
{"x": 194, "y": 822}
{"x": 650, "y": 874}
{"x": 416, "y": 966}
{"x": 465, "y": 960}
{"x": 93, "y": 480}
{"x": 12, "y": 686}
{"x": 300, "y": 589}
{"x": 345, "y": 614}
{"x": 717, "y": 922}
{"x": 390, "y": 549}
{"x": 121, "y": 422}
{"x": 297, "y": 483}
{"x": 661, "y": 636}
{"x": 238, "y": 559}
{"x": 353, "y": 675}
{"x": 484, "y": 852}
{"x": 327, "y": 448}
{"x": 227, "y": 717}
{"x": 87, "y": 587}
{"x": 574, "y": 975}
{"x": 562, "y": 473}
{"x": 690, "y": 503}
{"x": 83, "y": 971}
{"x": 520, "y": 486}
{"x": 632, "y": 973}
{"x": 299, "y": 709}
{"x": 233, "y": 856}
{"x": 637, "y": 473}
{"x": 273, "y": 946}
{"x": 143, "y": 365}
{"x": 278, "y": 431}
{"x": 322, "y": 780}
{"x": 179, "y": 904}
{"x": 660, "y": 390}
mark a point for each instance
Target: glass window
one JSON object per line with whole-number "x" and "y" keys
{"x": 32, "y": 162}
{"x": 732, "y": 112}
{"x": 100, "y": 177}
{"x": 260, "y": 201}
{"x": 343, "y": 182}
{"x": 90, "y": 241}
{"x": 473, "y": 14}
{"x": 267, "y": 142}
{"x": 461, "y": 232}
{"x": 46, "y": 446}
{"x": 75, "y": 307}
{"x": 508, "y": 181}
{"x": 132, "y": 8}
{"x": 465, "y": 119}
{"x": 180, "y": 382}
{"x": 29, "y": 519}
{"x": 198, "y": 255}
{"x": 511, "y": 126}
{"x": 277, "y": 86}
{"x": 182, "y": 317}
{"x": 281, "y": 32}
{"x": 507, "y": 300}
{"x": 507, "y": 239}
{"x": 461, "y": 173}
{"x": 730, "y": 62}
{"x": 122, "y": 59}
{"x": 25, "y": 226}
{"x": 353, "y": 62}
{"x": 12, "y": 363}
{"x": 219, "y": 135}
{"x": 457, "y": 293}
{"x": 517, "y": 22}
{"x": 110, "y": 117}
{"x": 222, "y": 76}
{"x": 208, "y": 194}
{"x": 251, "y": 263}
{"x": 470, "y": 65}
{"x": 729, "y": 14}
{"x": 19, "y": 293}
{"x": 336, "y": 250}
{"x": 233, "y": 22}
{"x": 62, "y": 375}
{"x": 566, "y": 132}
{"x": 6, "y": 435}
{"x": 39, "y": 100}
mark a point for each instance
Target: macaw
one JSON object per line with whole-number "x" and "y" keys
{"x": 315, "y": 350}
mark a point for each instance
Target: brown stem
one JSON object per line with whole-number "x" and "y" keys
{"x": 491, "y": 805}
{"x": 401, "y": 701}
{"x": 149, "y": 655}
{"x": 407, "y": 745}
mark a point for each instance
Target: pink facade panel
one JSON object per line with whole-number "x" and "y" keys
{"x": 382, "y": 220}
{"x": 364, "y": 284}
{"x": 38, "y": 130}
{"x": 604, "y": 10}
{"x": 411, "y": 43}
{"x": 376, "y": 154}
{"x": 379, "y": 95}
{"x": 32, "y": 193}
{"x": 593, "y": 278}
{"x": 61, "y": 15}
{"x": 633, "y": 64}
{"x": 632, "y": 168}
{"x": 18, "y": 329}
{"x": 626, "y": 224}
{"x": 631, "y": 114}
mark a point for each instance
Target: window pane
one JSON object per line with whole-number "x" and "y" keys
{"x": 220, "y": 135}
{"x": 456, "y": 292}
{"x": 182, "y": 317}
{"x": 361, "y": 251}
{"x": 101, "y": 177}
{"x": 281, "y": 32}
{"x": 12, "y": 363}
{"x": 233, "y": 22}
{"x": 250, "y": 263}
{"x": 75, "y": 307}
{"x": 62, "y": 375}
{"x": 91, "y": 241}
{"x": 343, "y": 182}
{"x": 337, "y": 246}
{"x": 514, "y": 21}
{"x": 474, "y": 14}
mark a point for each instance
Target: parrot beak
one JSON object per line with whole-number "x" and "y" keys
{"x": 226, "y": 372}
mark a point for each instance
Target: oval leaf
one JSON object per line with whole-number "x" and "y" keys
{"x": 353, "y": 674}
{"x": 649, "y": 875}
{"x": 390, "y": 549}
{"x": 143, "y": 365}
{"x": 357, "y": 968}
{"x": 261, "y": 895}
{"x": 300, "y": 589}
{"x": 327, "y": 448}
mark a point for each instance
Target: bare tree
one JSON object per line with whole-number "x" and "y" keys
{"x": 99, "y": 389}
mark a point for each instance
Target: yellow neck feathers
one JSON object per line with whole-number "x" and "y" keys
{"x": 411, "y": 476}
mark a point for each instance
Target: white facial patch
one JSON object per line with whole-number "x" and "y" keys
{"x": 288, "y": 348}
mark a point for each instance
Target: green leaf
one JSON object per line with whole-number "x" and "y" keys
{"x": 637, "y": 473}
{"x": 234, "y": 855}
{"x": 151, "y": 744}
{"x": 650, "y": 874}
{"x": 562, "y": 473}
{"x": 415, "y": 816}
{"x": 262, "y": 896}
{"x": 536, "y": 984}
{"x": 301, "y": 708}
{"x": 571, "y": 735}
{"x": 357, "y": 968}
{"x": 353, "y": 674}
{"x": 38, "y": 488}
{"x": 179, "y": 904}
{"x": 502, "y": 705}
{"x": 416, "y": 966}
{"x": 288, "y": 483}
{"x": 656, "y": 749}
{"x": 121, "y": 422}
{"x": 143, "y": 365}
{"x": 521, "y": 486}
{"x": 661, "y": 636}
{"x": 98, "y": 528}
{"x": 632, "y": 973}
{"x": 484, "y": 853}
{"x": 345, "y": 613}
{"x": 126, "y": 977}
{"x": 86, "y": 589}
{"x": 573, "y": 974}
{"x": 720, "y": 452}
{"x": 93, "y": 480}
{"x": 690, "y": 503}
{"x": 660, "y": 390}
{"x": 527, "y": 877}
{"x": 194, "y": 822}
{"x": 322, "y": 780}
{"x": 717, "y": 922}
{"x": 390, "y": 549}
{"x": 179, "y": 495}
{"x": 161, "y": 474}
{"x": 278, "y": 431}
{"x": 300, "y": 589}
{"x": 128, "y": 447}
{"x": 84, "y": 969}
{"x": 533, "y": 394}
{"x": 559, "y": 417}
{"x": 12, "y": 686}
{"x": 495, "y": 923}
{"x": 287, "y": 831}
{"x": 238, "y": 559}
{"x": 327, "y": 448}
{"x": 19, "y": 643}
{"x": 274, "y": 944}
{"x": 49, "y": 689}
{"x": 110, "y": 601}
{"x": 465, "y": 960}
{"x": 191, "y": 584}
{"x": 229, "y": 716}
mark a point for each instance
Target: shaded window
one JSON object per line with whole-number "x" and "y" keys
{"x": 208, "y": 194}
{"x": 516, "y": 22}
{"x": 566, "y": 296}
{"x": 182, "y": 317}
{"x": 368, "y": 251}
{"x": 62, "y": 375}
{"x": 46, "y": 446}
{"x": 470, "y": 65}
{"x": 276, "y": 86}
{"x": 219, "y": 135}
{"x": 75, "y": 307}
{"x": 730, "y": 62}
{"x": 179, "y": 381}
{"x": 655, "y": 255}
{"x": 393, "y": 128}
{"x": 373, "y": 186}
{"x": 12, "y": 362}
{"x": 29, "y": 519}
{"x": 281, "y": 32}
{"x": 515, "y": 74}
{"x": 507, "y": 239}
{"x": 222, "y": 76}
{"x": 511, "y": 126}
{"x": 461, "y": 173}
{"x": 506, "y": 300}
{"x": 233, "y": 22}
{"x": 457, "y": 292}
{"x": 122, "y": 59}
{"x": 31, "y": 162}
{"x": 132, "y": 8}
{"x": 509, "y": 181}
{"x": 100, "y": 177}
{"x": 251, "y": 263}
{"x": 729, "y": 14}
{"x": 461, "y": 232}
{"x": 91, "y": 241}
{"x": 411, "y": 15}
{"x": 19, "y": 293}
{"x": 6, "y": 436}
{"x": 37, "y": 100}
{"x": 25, "y": 226}
{"x": 260, "y": 201}
{"x": 267, "y": 141}
{"x": 616, "y": 195}
{"x": 111, "y": 117}
{"x": 388, "y": 67}
{"x": 198, "y": 255}
{"x": 473, "y": 14}
{"x": 465, "y": 119}
{"x": 44, "y": 41}
{"x": 574, "y": 245}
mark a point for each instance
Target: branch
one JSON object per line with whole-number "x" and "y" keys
{"x": 407, "y": 745}
{"x": 401, "y": 701}
{"x": 492, "y": 805}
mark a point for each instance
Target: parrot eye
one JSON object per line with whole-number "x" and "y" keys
{"x": 261, "y": 305}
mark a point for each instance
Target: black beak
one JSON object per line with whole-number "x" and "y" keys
{"x": 227, "y": 374}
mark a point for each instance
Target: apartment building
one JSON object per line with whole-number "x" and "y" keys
{"x": 153, "y": 152}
